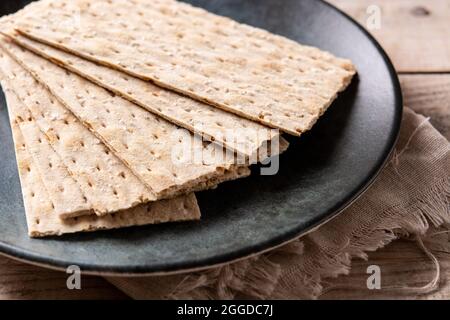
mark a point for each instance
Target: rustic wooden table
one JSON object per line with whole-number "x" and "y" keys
{"x": 416, "y": 35}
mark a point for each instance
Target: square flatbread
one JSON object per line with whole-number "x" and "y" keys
{"x": 141, "y": 140}
{"x": 238, "y": 134}
{"x": 69, "y": 153}
{"x": 104, "y": 183}
{"x": 241, "y": 69}
{"x": 42, "y": 219}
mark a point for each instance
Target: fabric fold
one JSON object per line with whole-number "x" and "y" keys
{"x": 410, "y": 196}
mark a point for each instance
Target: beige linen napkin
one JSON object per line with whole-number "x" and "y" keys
{"x": 409, "y": 197}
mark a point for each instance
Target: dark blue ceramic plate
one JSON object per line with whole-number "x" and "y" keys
{"x": 322, "y": 173}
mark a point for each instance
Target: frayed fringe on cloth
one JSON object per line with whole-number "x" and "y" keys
{"x": 411, "y": 196}
{"x": 299, "y": 272}
{"x": 432, "y": 209}
{"x": 256, "y": 277}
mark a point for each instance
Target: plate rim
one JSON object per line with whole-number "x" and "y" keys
{"x": 30, "y": 257}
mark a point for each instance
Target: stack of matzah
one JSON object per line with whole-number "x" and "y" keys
{"x": 102, "y": 94}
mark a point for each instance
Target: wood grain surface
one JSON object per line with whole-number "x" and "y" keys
{"x": 402, "y": 263}
{"x": 415, "y": 33}
{"x": 22, "y": 281}
{"x": 430, "y": 96}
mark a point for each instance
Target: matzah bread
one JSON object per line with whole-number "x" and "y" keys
{"x": 65, "y": 193}
{"x": 42, "y": 219}
{"x": 238, "y": 68}
{"x": 140, "y": 139}
{"x": 241, "y": 135}
{"x": 100, "y": 174}
{"x": 108, "y": 185}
